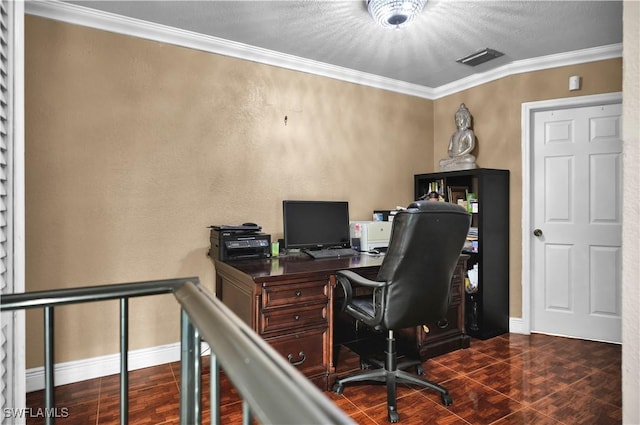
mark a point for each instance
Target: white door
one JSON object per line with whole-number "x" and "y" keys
{"x": 577, "y": 222}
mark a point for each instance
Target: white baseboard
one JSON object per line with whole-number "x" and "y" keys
{"x": 516, "y": 326}
{"x": 96, "y": 367}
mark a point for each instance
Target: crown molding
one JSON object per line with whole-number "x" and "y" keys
{"x": 529, "y": 65}
{"x": 79, "y": 15}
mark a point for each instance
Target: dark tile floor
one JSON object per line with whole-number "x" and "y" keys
{"x": 510, "y": 379}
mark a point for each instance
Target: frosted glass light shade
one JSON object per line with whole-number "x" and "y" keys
{"x": 395, "y": 13}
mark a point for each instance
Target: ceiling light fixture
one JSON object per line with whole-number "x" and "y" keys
{"x": 395, "y": 13}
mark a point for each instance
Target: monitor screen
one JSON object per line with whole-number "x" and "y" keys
{"x": 316, "y": 224}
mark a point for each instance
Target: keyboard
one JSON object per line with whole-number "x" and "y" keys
{"x": 331, "y": 253}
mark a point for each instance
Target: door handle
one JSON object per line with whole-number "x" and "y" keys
{"x": 537, "y": 232}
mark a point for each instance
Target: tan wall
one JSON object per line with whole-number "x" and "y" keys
{"x": 496, "y": 108}
{"x": 134, "y": 147}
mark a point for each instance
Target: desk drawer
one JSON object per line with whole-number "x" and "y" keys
{"x": 304, "y": 350}
{"x": 292, "y": 318}
{"x": 295, "y": 293}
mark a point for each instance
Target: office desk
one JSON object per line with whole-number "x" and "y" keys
{"x": 288, "y": 301}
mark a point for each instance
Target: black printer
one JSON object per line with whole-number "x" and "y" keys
{"x": 231, "y": 242}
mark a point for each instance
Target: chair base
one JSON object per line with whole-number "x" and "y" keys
{"x": 392, "y": 378}
{"x": 391, "y": 373}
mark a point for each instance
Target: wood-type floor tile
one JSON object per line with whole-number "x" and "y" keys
{"x": 602, "y": 384}
{"x": 511, "y": 379}
{"x": 415, "y": 409}
{"x": 147, "y": 406}
{"x": 521, "y": 384}
{"x": 343, "y": 403}
{"x": 465, "y": 361}
{"x": 477, "y": 403}
{"x": 572, "y": 407}
{"x": 527, "y": 416}
{"x": 437, "y": 372}
{"x": 593, "y": 354}
{"x": 80, "y": 413}
{"x": 368, "y": 395}
{"x": 499, "y": 348}
{"x": 67, "y": 395}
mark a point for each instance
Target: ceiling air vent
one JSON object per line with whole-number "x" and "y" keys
{"x": 480, "y": 57}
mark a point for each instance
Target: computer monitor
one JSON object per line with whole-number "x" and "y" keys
{"x": 316, "y": 224}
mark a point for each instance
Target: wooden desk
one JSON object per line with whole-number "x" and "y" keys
{"x": 288, "y": 301}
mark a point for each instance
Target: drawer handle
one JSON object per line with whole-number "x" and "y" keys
{"x": 442, "y": 323}
{"x": 298, "y": 293}
{"x": 299, "y": 362}
{"x": 296, "y": 317}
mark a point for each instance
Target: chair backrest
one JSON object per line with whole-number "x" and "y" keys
{"x": 426, "y": 241}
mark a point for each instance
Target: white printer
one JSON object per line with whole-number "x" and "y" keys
{"x": 370, "y": 235}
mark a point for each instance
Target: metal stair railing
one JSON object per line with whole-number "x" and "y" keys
{"x": 268, "y": 385}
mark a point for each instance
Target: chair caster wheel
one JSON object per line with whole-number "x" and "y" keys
{"x": 419, "y": 370}
{"x": 364, "y": 365}
{"x": 337, "y": 388}
{"x": 393, "y": 416}
{"x": 446, "y": 400}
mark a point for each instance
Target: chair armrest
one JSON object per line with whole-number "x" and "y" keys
{"x": 367, "y": 310}
{"x": 346, "y": 277}
{"x": 358, "y": 280}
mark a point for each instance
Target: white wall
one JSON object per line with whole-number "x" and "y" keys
{"x": 631, "y": 218}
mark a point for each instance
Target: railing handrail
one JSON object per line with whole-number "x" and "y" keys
{"x": 274, "y": 391}
{"x": 54, "y": 297}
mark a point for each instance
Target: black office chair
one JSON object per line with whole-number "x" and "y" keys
{"x": 413, "y": 287}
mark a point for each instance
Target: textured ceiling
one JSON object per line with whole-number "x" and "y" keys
{"x": 342, "y": 33}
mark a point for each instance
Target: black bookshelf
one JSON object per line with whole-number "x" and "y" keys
{"x": 487, "y": 310}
